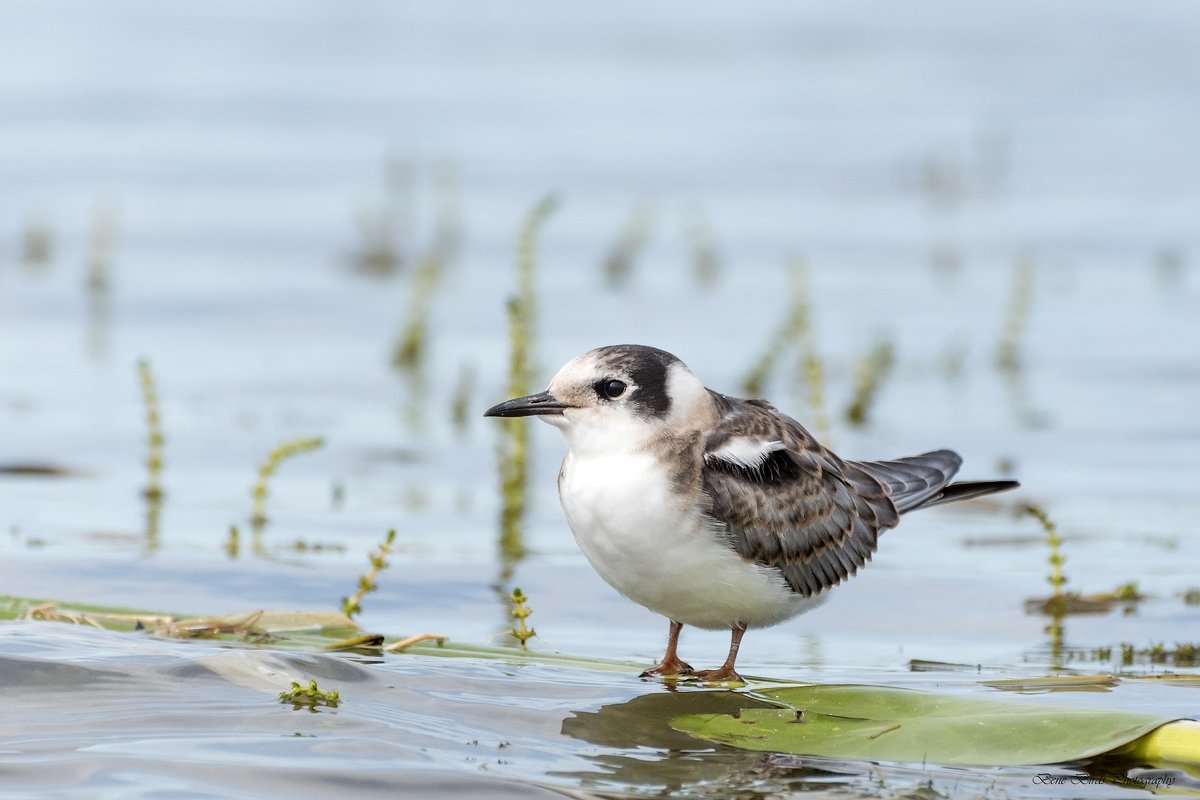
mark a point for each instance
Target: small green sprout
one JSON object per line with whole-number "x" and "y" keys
{"x": 366, "y": 582}
{"x": 520, "y": 612}
{"x": 232, "y": 544}
{"x": 309, "y": 696}
{"x": 277, "y": 456}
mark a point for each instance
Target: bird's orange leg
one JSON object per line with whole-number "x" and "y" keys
{"x": 725, "y": 672}
{"x": 670, "y": 664}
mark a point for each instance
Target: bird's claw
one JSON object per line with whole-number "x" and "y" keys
{"x": 667, "y": 668}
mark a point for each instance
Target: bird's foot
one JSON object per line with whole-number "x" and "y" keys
{"x": 725, "y": 674}
{"x": 668, "y": 667}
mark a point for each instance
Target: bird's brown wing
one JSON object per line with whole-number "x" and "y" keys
{"x": 786, "y": 502}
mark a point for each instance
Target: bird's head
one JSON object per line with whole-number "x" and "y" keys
{"x": 616, "y": 397}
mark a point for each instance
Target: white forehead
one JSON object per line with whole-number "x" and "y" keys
{"x": 584, "y": 369}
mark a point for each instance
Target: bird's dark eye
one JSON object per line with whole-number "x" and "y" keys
{"x": 610, "y": 388}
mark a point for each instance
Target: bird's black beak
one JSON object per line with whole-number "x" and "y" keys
{"x": 541, "y": 404}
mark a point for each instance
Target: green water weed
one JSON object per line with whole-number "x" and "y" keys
{"x": 37, "y": 244}
{"x": 99, "y": 254}
{"x": 1057, "y": 578}
{"x": 460, "y": 401}
{"x": 629, "y": 244}
{"x": 309, "y": 696}
{"x": 154, "y": 433}
{"x": 794, "y": 326}
{"x": 872, "y": 371}
{"x": 521, "y": 612}
{"x": 386, "y": 231}
{"x": 1016, "y": 319}
{"x": 366, "y": 582}
{"x": 412, "y": 343}
{"x": 266, "y": 470}
{"x": 513, "y": 452}
{"x": 701, "y": 242}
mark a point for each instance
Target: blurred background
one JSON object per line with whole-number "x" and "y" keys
{"x": 979, "y": 223}
{"x": 938, "y": 226}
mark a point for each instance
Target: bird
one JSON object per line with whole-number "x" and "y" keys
{"x": 714, "y": 511}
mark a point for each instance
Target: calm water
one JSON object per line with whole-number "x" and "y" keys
{"x": 220, "y": 162}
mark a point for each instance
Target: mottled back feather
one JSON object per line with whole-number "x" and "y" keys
{"x": 803, "y": 510}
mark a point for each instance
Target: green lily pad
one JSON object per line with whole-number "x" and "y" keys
{"x": 902, "y": 725}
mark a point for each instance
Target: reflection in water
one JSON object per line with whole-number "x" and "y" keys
{"x": 154, "y": 504}
{"x": 652, "y": 754}
{"x": 153, "y": 492}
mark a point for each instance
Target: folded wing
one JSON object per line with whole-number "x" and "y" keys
{"x": 786, "y": 502}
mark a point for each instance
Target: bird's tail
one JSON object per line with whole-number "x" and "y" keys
{"x": 921, "y": 481}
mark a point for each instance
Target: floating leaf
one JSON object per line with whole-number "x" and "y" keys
{"x": 902, "y": 725}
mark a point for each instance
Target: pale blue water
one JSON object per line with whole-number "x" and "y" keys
{"x": 910, "y": 159}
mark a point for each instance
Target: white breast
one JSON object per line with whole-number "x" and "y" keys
{"x": 655, "y": 549}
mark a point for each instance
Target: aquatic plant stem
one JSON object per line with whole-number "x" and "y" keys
{"x": 277, "y": 456}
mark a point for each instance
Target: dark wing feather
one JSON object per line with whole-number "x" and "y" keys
{"x": 801, "y": 509}
{"x": 923, "y": 481}
{"x": 786, "y": 502}
{"x": 913, "y": 481}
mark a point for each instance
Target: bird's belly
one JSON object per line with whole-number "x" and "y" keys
{"x": 656, "y": 549}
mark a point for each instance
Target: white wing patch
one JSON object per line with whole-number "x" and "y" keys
{"x": 745, "y": 452}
